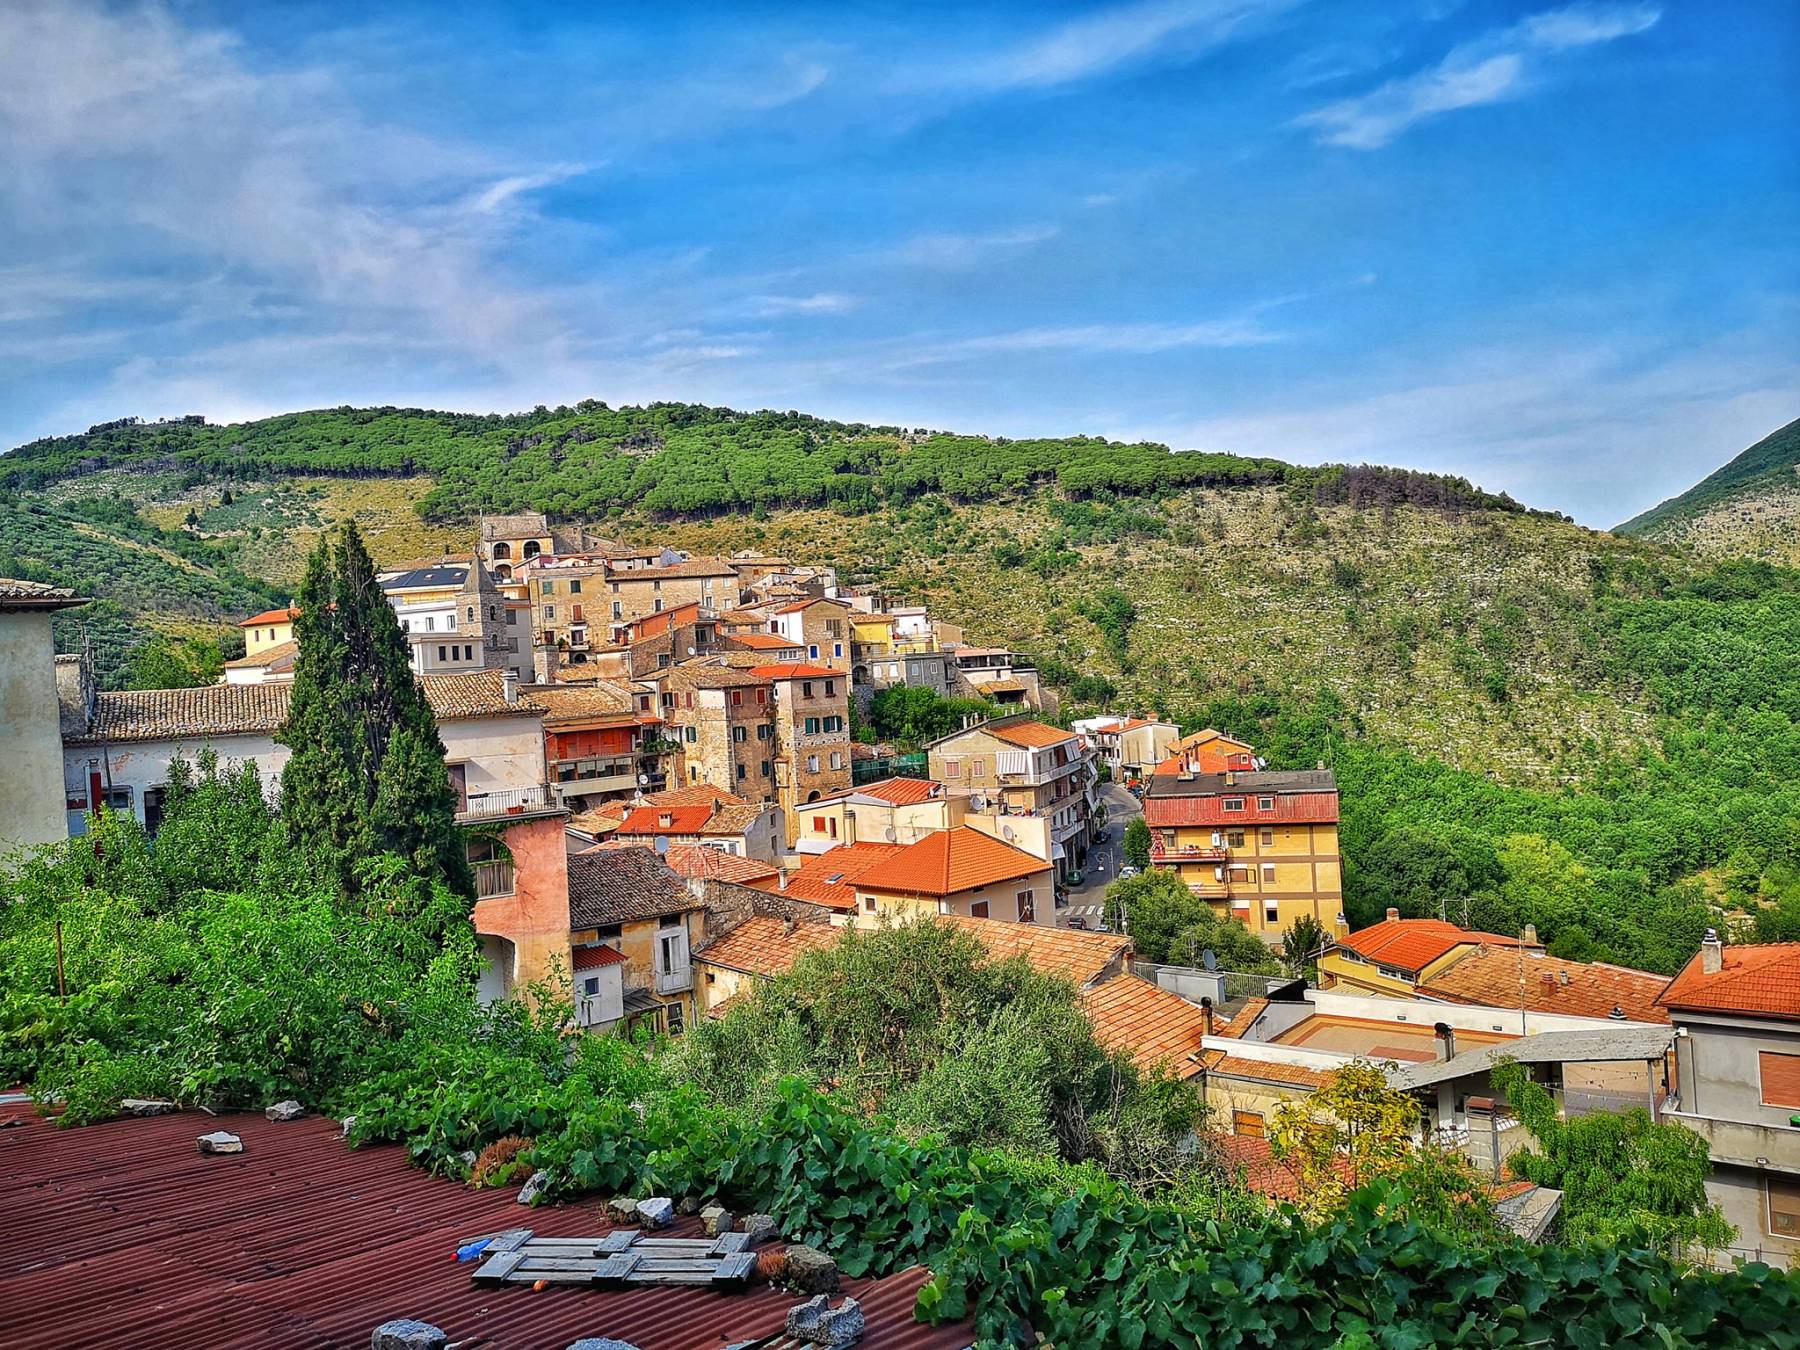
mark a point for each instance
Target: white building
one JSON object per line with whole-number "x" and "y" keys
{"x": 29, "y": 716}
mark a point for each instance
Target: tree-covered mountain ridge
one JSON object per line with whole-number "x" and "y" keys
{"x": 1746, "y": 508}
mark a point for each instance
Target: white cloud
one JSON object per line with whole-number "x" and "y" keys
{"x": 506, "y": 190}
{"x": 967, "y": 250}
{"x": 1101, "y": 42}
{"x": 1498, "y": 66}
{"x": 822, "y": 302}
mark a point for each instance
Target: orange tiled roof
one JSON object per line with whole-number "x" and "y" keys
{"x": 287, "y": 615}
{"x": 894, "y": 791}
{"x": 765, "y": 642}
{"x": 1245, "y": 1019}
{"x": 795, "y": 671}
{"x": 680, "y": 820}
{"x": 698, "y": 794}
{"x": 762, "y": 945}
{"x": 1549, "y": 985}
{"x": 594, "y": 957}
{"x": 1263, "y": 1173}
{"x": 1760, "y": 979}
{"x": 1237, "y": 1066}
{"x": 827, "y": 878}
{"x": 1081, "y": 957}
{"x": 1154, "y": 1026}
{"x": 1413, "y": 944}
{"x": 692, "y": 861}
{"x": 1034, "y": 735}
{"x": 268, "y": 656}
{"x": 946, "y": 862}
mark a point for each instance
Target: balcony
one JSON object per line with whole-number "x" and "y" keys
{"x": 505, "y": 803}
{"x": 1745, "y": 1143}
{"x": 493, "y": 879}
{"x": 1201, "y": 853}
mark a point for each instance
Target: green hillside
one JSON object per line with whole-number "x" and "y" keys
{"x": 1749, "y": 507}
{"x": 1532, "y": 721}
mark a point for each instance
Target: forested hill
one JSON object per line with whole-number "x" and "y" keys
{"x": 682, "y": 459}
{"x": 1749, "y": 507}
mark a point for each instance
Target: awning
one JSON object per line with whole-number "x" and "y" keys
{"x": 1057, "y": 853}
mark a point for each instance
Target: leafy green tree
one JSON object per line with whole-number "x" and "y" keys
{"x": 367, "y": 773}
{"x": 915, "y": 714}
{"x": 1625, "y": 1179}
{"x": 1137, "y": 843}
{"x": 167, "y": 662}
{"x": 1169, "y": 923}
{"x": 1422, "y": 873}
{"x": 1301, "y": 945}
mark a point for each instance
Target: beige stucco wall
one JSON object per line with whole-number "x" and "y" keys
{"x": 498, "y": 752}
{"x": 30, "y": 812}
{"x": 140, "y": 765}
{"x": 1001, "y": 898}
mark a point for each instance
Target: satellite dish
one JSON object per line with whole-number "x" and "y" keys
{"x": 889, "y": 834}
{"x": 1009, "y": 832}
{"x": 692, "y": 650}
{"x": 662, "y": 847}
{"x": 978, "y": 802}
{"x": 643, "y": 779}
{"x": 1207, "y": 958}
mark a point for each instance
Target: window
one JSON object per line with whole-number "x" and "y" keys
{"x": 1248, "y": 1124}
{"x": 812, "y": 763}
{"x": 806, "y": 689}
{"x": 1267, "y": 838}
{"x": 977, "y": 767}
{"x": 1268, "y": 874}
{"x": 953, "y": 768}
{"x": 575, "y": 587}
{"x": 1234, "y": 804}
{"x": 819, "y": 824}
{"x": 549, "y": 613}
{"x": 1026, "y": 913}
{"x": 1780, "y": 1078}
{"x": 837, "y": 760}
{"x": 471, "y": 614}
{"x": 762, "y": 731}
{"x": 739, "y": 735}
{"x": 441, "y": 651}
{"x": 1234, "y": 839}
{"x": 767, "y": 771}
{"x": 837, "y": 649}
{"x": 618, "y": 610}
{"x": 740, "y": 773}
{"x": 1265, "y": 803}
{"x": 450, "y": 623}
{"x": 674, "y": 1013}
{"x": 590, "y": 986}
{"x": 978, "y": 910}
{"x": 693, "y": 734}
{"x": 546, "y": 588}
{"x": 813, "y": 651}
{"x": 811, "y": 726}
{"x": 831, "y": 688}
{"x": 1784, "y": 1206}
{"x": 737, "y": 698}
{"x": 656, "y": 605}
{"x": 869, "y": 904}
{"x": 1271, "y": 914}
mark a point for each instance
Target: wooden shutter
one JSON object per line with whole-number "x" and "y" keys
{"x": 1784, "y": 1206}
{"x": 1780, "y": 1078}
{"x": 1248, "y": 1124}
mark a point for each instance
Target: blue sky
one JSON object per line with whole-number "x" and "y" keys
{"x": 1555, "y": 248}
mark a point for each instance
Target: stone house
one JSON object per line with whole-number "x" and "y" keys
{"x": 725, "y": 721}
{"x": 812, "y": 735}
{"x": 820, "y": 625}
{"x": 29, "y": 710}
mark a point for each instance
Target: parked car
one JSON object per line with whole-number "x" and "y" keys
{"x": 1127, "y": 871}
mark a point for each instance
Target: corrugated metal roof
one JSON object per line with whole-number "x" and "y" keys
{"x": 122, "y": 1233}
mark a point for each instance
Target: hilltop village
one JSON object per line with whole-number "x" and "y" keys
{"x": 654, "y": 762}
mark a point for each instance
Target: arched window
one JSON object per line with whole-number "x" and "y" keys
{"x": 471, "y": 614}
{"x": 503, "y": 573}
{"x": 502, "y": 551}
{"x": 531, "y": 549}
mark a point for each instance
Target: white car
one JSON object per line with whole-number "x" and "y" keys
{"x": 1127, "y": 871}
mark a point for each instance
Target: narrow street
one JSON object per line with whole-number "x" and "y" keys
{"x": 1088, "y": 900}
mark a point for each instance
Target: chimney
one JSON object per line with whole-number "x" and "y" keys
{"x": 1712, "y": 953}
{"x": 1617, "y": 1014}
{"x": 1529, "y": 936}
{"x": 1206, "y": 1017}
{"x": 1446, "y": 1042}
{"x": 1342, "y": 927}
{"x": 509, "y": 685}
{"x": 1562, "y": 978}
{"x": 1393, "y": 915}
{"x": 782, "y": 878}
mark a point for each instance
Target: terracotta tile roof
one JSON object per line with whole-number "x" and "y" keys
{"x": 282, "y": 653}
{"x": 727, "y": 819}
{"x": 766, "y": 642}
{"x": 621, "y": 885}
{"x": 1154, "y": 1026}
{"x": 287, "y": 615}
{"x": 807, "y": 603}
{"x": 697, "y": 794}
{"x": 1082, "y": 957}
{"x": 665, "y": 820}
{"x": 36, "y": 595}
{"x": 475, "y": 693}
{"x": 894, "y": 791}
{"x": 595, "y": 957}
{"x": 946, "y": 862}
{"x": 580, "y": 702}
{"x": 1237, "y": 1066}
{"x": 185, "y": 714}
{"x": 1413, "y": 944}
{"x": 1008, "y": 686}
{"x": 697, "y": 861}
{"x": 1245, "y": 1019}
{"x": 693, "y": 567}
{"x": 1033, "y": 735}
{"x": 828, "y": 878}
{"x": 710, "y": 677}
{"x": 1255, "y": 1163}
{"x": 1761, "y": 980}
{"x": 302, "y": 1242}
{"x": 766, "y": 946}
{"x": 795, "y": 671}
{"x": 1549, "y": 985}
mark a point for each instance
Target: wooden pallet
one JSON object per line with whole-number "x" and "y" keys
{"x": 618, "y": 1259}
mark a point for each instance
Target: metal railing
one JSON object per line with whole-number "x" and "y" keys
{"x": 505, "y": 802}
{"x": 493, "y": 879}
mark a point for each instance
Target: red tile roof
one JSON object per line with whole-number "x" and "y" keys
{"x": 594, "y": 957}
{"x": 1245, "y": 1019}
{"x": 287, "y": 615}
{"x": 1254, "y": 1161}
{"x": 1759, "y": 980}
{"x": 795, "y": 671}
{"x": 665, "y": 820}
{"x": 894, "y": 791}
{"x": 301, "y": 1242}
{"x": 1549, "y": 985}
{"x": 691, "y": 861}
{"x": 947, "y": 862}
{"x": 1032, "y": 735}
{"x": 765, "y": 641}
{"x": 1154, "y": 1026}
{"x": 1413, "y": 944}
{"x": 1238, "y": 1066}
{"x": 1082, "y": 957}
{"x": 697, "y": 794}
{"x": 827, "y": 878}
{"x": 762, "y": 945}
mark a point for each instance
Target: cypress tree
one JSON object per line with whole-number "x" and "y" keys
{"x": 367, "y": 773}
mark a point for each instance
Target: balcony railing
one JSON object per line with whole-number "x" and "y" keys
{"x": 492, "y": 879}
{"x": 677, "y": 981}
{"x": 1748, "y": 1143}
{"x": 503, "y": 802}
{"x": 1188, "y": 853}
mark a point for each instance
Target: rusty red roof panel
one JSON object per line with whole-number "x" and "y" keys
{"x": 122, "y": 1233}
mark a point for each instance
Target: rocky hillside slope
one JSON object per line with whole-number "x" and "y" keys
{"x": 1748, "y": 508}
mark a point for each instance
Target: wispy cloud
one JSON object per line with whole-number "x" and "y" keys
{"x": 1090, "y": 46}
{"x": 822, "y": 302}
{"x": 514, "y": 186}
{"x": 1094, "y": 339}
{"x": 968, "y": 250}
{"x": 1501, "y": 65}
